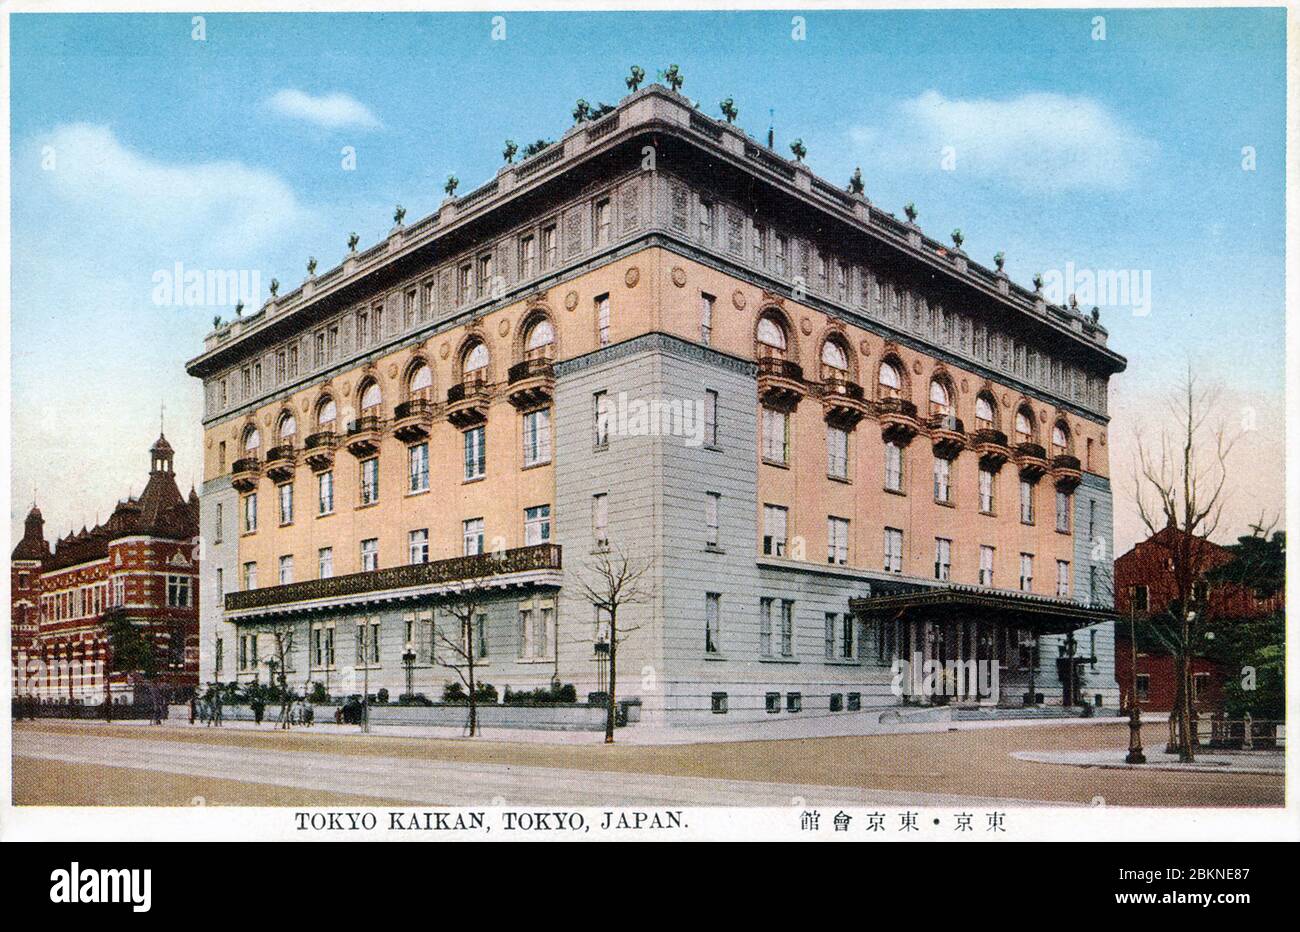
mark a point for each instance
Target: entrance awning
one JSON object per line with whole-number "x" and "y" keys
{"x": 955, "y": 603}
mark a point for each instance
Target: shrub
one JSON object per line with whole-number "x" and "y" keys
{"x": 454, "y": 692}
{"x": 319, "y": 694}
{"x": 382, "y": 697}
{"x": 543, "y": 695}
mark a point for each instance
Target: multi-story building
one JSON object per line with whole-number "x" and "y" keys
{"x": 834, "y": 442}
{"x": 1145, "y": 589}
{"x": 140, "y": 565}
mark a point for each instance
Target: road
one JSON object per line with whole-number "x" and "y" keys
{"x": 94, "y": 763}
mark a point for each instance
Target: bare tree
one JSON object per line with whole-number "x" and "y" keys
{"x": 612, "y": 581}
{"x": 282, "y": 636}
{"x": 465, "y": 603}
{"x": 1179, "y": 489}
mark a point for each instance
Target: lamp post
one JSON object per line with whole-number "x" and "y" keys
{"x": 1135, "y": 755}
{"x": 408, "y": 658}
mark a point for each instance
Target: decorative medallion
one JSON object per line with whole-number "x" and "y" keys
{"x": 865, "y": 347}
{"x": 632, "y": 276}
{"x": 679, "y": 276}
{"x": 916, "y": 366}
{"x": 571, "y": 300}
{"x": 503, "y": 328}
{"x": 392, "y": 370}
{"x": 304, "y": 405}
{"x": 965, "y": 387}
{"x": 738, "y": 299}
{"x": 266, "y": 420}
{"x": 1006, "y": 400}
{"x": 805, "y": 327}
{"x": 445, "y": 350}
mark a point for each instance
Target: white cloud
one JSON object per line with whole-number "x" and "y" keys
{"x": 333, "y": 111}
{"x": 1037, "y": 142}
{"x": 90, "y": 186}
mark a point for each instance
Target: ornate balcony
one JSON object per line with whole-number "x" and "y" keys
{"x": 898, "y": 423}
{"x": 780, "y": 383}
{"x": 280, "y": 462}
{"x": 319, "y": 450}
{"x": 1067, "y": 472}
{"x": 532, "y": 383}
{"x": 364, "y": 435}
{"x": 245, "y": 472}
{"x": 411, "y": 420}
{"x": 1032, "y": 460}
{"x": 844, "y": 403}
{"x": 948, "y": 435}
{"x": 467, "y": 404}
{"x": 481, "y": 567}
{"x": 991, "y": 447}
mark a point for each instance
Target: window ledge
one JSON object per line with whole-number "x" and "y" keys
{"x": 842, "y": 662}
{"x": 367, "y": 505}
{"x": 843, "y": 480}
{"x": 778, "y": 659}
{"x": 473, "y": 479}
{"x": 709, "y": 548}
{"x": 538, "y": 465}
{"x": 939, "y": 501}
{"x": 777, "y": 464}
{"x": 899, "y": 492}
{"x": 411, "y": 492}
{"x": 716, "y": 655}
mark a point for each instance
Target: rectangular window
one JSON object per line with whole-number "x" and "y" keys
{"x": 369, "y": 555}
{"x": 893, "y": 550}
{"x": 712, "y": 622}
{"x": 601, "y": 417}
{"x": 794, "y": 702}
{"x": 219, "y": 660}
{"x": 782, "y": 254}
{"x": 1092, "y": 585}
{"x": 986, "y": 565}
{"x": 1063, "y": 511}
{"x": 548, "y": 246}
{"x": 893, "y": 467}
{"x": 600, "y": 520}
{"x": 986, "y": 491}
{"x": 325, "y": 562}
{"x": 221, "y": 584}
{"x": 1144, "y": 687}
{"x": 527, "y": 258}
{"x": 221, "y": 456}
{"x": 285, "y": 494}
{"x": 1063, "y": 579}
{"x": 537, "y": 437}
{"x": 1141, "y": 599}
{"x": 250, "y": 576}
{"x": 472, "y": 533}
{"x": 1026, "y": 502}
{"x": 483, "y": 276}
{"x": 325, "y": 493}
{"x": 776, "y": 436}
{"x": 760, "y": 245}
{"x": 417, "y": 546}
{"x": 706, "y": 318}
{"x": 706, "y": 221}
{"x": 787, "y": 628}
{"x": 178, "y": 592}
{"x": 710, "y": 417}
{"x": 408, "y": 308}
{"x": 774, "y": 530}
{"x": 463, "y": 276}
{"x": 765, "y": 627}
{"x": 837, "y": 541}
{"x": 363, "y": 327}
{"x": 942, "y": 480}
{"x": 837, "y": 453}
{"x": 220, "y": 520}
{"x": 475, "y": 453}
{"x": 712, "y": 505}
{"x": 841, "y": 642}
{"x": 537, "y": 525}
{"x": 1026, "y": 572}
{"x": 602, "y": 319}
{"x": 250, "y": 512}
{"x": 417, "y": 461}
{"x": 370, "y": 481}
{"x": 601, "y": 222}
{"x": 534, "y": 633}
{"x": 942, "y": 558}
{"x": 286, "y": 569}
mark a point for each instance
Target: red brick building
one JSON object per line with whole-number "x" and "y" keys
{"x": 1145, "y": 587}
{"x": 141, "y": 564}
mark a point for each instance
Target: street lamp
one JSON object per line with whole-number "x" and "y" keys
{"x": 408, "y": 658}
{"x": 1135, "y": 755}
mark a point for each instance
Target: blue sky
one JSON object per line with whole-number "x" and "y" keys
{"x": 225, "y": 153}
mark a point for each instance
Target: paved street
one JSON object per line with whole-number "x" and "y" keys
{"x": 125, "y": 764}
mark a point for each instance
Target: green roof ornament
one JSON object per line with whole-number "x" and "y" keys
{"x": 999, "y": 259}
{"x": 508, "y": 153}
{"x": 799, "y": 150}
{"x": 275, "y": 287}
{"x": 673, "y": 77}
{"x": 856, "y": 184}
{"x": 910, "y": 209}
{"x": 581, "y": 110}
{"x": 311, "y": 266}
{"x": 634, "y": 78}
{"x": 452, "y": 184}
{"x": 728, "y": 108}
{"x": 1038, "y": 282}
{"x": 399, "y": 214}
{"x": 958, "y": 238}
{"x": 353, "y": 239}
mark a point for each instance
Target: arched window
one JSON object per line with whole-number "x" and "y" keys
{"x": 940, "y": 403}
{"x": 891, "y": 384}
{"x": 833, "y": 355}
{"x": 252, "y": 440}
{"x": 983, "y": 413}
{"x": 771, "y": 334}
{"x": 371, "y": 396}
{"x": 420, "y": 381}
{"x": 1060, "y": 438}
{"x": 288, "y": 427}
{"x": 1024, "y": 426}
{"x": 476, "y": 360}
{"x": 540, "y": 336}
{"x": 326, "y": 413}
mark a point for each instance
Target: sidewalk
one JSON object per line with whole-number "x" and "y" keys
{"x": 1206, "y": 762}
{"x": 787, "y": 728}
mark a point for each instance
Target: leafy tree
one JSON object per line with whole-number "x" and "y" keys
{"x": 133, "y": 652}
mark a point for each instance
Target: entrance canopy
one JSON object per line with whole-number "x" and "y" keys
{"x": 963, "y": 603}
